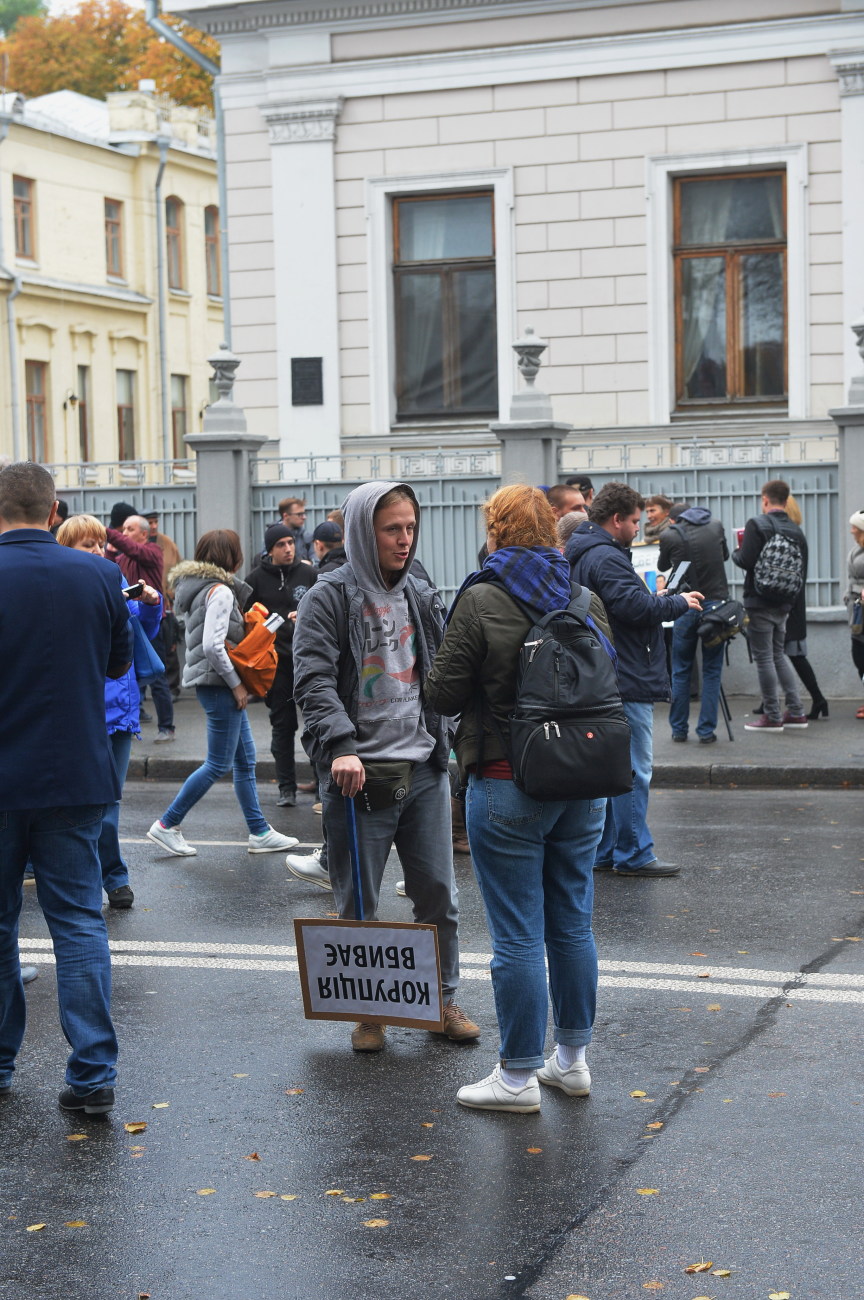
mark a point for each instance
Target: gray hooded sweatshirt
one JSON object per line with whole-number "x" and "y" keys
{"x": 361, "y": 650}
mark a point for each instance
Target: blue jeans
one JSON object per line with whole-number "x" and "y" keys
{"x": 229, "y": 746}
{"x": 115, "y": 870}
{"x": 62, "y": 845}
{"x": 684, "y": 645}
{"x": 627, "y": 841}
{"x": 533, "y": 863}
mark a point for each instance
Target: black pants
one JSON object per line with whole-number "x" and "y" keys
{"x": 858, "y": 656}
{"x": 283, "y": 725}
{"x": 160, "y": 689}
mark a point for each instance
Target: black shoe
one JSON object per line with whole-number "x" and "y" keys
{"x": 122, "y": 896}
{"x": 144, "y": 716}
{"x": 287, "y": 799}
{"x": 603, "y": 866}
{"x": 5, "y": 1087}
{"x": 654, "y": 868}
{"x": 819, "y": 710}
{"x": 679, "y": 737}
{"x": 92, "y": 1103}
{"x": 708, "y": 740}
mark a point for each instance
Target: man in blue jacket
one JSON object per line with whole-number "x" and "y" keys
{"x": 64, "y": 628}
{"x": 599, "y": 555}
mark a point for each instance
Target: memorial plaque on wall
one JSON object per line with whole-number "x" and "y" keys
{"x": 307, "y": 385}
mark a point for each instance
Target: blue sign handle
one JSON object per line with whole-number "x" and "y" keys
{"x": 354, "y": 850}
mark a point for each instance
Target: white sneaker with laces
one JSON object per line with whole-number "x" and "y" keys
{"x": 492, "y": 1093}
{"x": 400, "y": 888}
{"x": 309, "y": 868}
{"x": 575, "y": 1080}
{"x": 271, "y": 841}
{"x": 171, "y": 838}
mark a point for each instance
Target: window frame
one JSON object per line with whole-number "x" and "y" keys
{"x": 126, "y": 422}
{"x": 380, "y": 283}
{"x": 731, "y": 252}
{"x": 24, "y": 221}
{"x": 443, "y": 269}
{"x": 114, "y": 233}
{"x": 174, "y": 244}
{"x": 660, "y": 172}
{"x": 212, "y": 254}
{"x": 178, "y": 447}
{"x": 83, "y": 413}
{"x": 37, "y": 411}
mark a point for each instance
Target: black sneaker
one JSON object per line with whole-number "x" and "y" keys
{"x": 654, "y": 868}
{"x": 708, "y": 740}
{"x": 122, "y": 896}
{"x": 98, "y": 1102}
{"x": 287, "y": 798}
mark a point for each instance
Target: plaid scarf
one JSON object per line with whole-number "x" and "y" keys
{"x": 539, "y": 576}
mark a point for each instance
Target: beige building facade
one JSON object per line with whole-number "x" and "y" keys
{"x": 668, "y": 191}
{"x": 88, "y": 334}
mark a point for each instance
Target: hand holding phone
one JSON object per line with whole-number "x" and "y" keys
{"x": 133, "y": 592}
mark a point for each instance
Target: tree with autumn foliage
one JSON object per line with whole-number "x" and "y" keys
{"x": 103, "y": 46}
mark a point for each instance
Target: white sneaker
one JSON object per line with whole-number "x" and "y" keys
{"x": 171, "y": 838}
{"x": 400, "y": 888}
{"x": 162, "y": 737}
{"x": 575, "y": 1080}
{"x": 492, "y": 1093}
{"x": 309, "y": 869}
{"x": 271, "y": 841}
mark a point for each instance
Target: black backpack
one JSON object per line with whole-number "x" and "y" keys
{"x": 569, "y": 735}
{"x": 778, "y": 574}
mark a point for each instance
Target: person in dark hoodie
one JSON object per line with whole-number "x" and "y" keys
{"x": 280, "y": 582}
{"x": 696, "y": 537}
{"x": 328, "y": 544}
{"x": 366, "y": 636}
{"x": 599, "y": 555}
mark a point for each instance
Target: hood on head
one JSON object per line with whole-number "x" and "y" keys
{"x": 358, "y": 510}
{"x": 585, "y": 537}
{"x": 695, "y": 515}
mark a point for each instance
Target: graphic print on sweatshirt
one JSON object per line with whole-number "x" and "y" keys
{"x": 390, "y": 675}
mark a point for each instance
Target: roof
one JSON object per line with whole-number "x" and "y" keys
{"x": 81, "y": 117}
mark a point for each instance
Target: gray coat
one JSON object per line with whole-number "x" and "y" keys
{"x": 328, "y": 654}
{"x": 855, "y": 571}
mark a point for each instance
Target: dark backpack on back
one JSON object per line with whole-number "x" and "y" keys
{"x": 569, "y": 735}
{"x": 778, "y": 574}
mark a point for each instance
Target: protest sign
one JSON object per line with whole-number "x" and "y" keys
{"x": 380, "y": 972}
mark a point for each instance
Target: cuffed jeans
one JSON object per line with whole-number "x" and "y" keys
{"x": 115, "y": 870}
{"x": 627, "y": 842}
{"x": 533, "y": 863}
{"x": 685, "y": 642}
{"x": 62, "y": 845}
{"x": 419, "y": 828}
{"x": 229, "y": 747}
{"x": 767, "y": 637}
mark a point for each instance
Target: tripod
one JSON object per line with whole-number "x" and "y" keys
{"x": 726, "y": 711}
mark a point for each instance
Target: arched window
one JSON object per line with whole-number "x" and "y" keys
{"x": 211, "y": 252}
{"x": 174, "y": 241}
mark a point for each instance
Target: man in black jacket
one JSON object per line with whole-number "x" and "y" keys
{"x": 767, "y": 632}
{"x": 329, "y": 546}
{"x": 599, "y": 555}
{"x": 696, "y": 537}
{"x": 280, "y": 582}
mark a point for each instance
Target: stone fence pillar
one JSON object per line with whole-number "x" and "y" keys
{"x": 224, "y": 453}
{"x": 850, "y": 442}
{"x": 531, "y": 438}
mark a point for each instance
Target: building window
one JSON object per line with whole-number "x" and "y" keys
{"x": 25, "y": 226}
{"x": 730, "y": 290}
{"x": 444, "y": 295}
{"x": 179, "y": 416}
{"x": 126, "y": 414}
{"x": 114, "y": 237}
{"x": 36, "y": 387}
{"x": 174, "y": 242}
{"x": 83, "y": 391}
{"x": 211, "y": 252}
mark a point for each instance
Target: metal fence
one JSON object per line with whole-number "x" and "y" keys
{"x": 174, "y": 501}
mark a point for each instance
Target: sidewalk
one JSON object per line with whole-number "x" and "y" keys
{"x": 830, "y": 753}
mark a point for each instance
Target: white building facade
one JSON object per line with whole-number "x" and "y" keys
{"x": 669, "y": 191}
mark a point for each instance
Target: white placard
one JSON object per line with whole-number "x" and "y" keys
{"x": 376, "y": 971}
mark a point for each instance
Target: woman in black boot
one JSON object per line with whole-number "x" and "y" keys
{"x": 796, "y": 637}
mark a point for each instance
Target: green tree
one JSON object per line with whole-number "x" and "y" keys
{"x": 12, "y": 10}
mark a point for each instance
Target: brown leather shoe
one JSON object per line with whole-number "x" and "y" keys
{"x": 308, "y": 787}
{"x": 457, "y": 1026}
{"x": 461, "y": 845}
{"x": 366, "y": 1037}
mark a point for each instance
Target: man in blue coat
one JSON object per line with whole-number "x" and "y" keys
{"x": 64, "y": 628}
{"x": 599, "y": 555}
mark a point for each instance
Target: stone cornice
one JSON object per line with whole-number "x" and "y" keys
{"x": 302, "y": 121}
{"x": 850, "y": 72}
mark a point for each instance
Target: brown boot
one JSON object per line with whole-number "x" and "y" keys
{"x": 460, "y": 832}
{"x": 457, "y": 1026}
{"x": 366, "y": 1037}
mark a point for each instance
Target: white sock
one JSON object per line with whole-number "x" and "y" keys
{"x": 516, "y": 1078}
{"x": 568, "y": 1056}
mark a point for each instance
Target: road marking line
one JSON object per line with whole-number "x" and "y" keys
{"x": 219, "y": 844}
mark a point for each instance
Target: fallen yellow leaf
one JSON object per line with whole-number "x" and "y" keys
{"x": 36, "y": 1227}
{"x": 241, "y": 1076}
{"x": 577, "y": 1297}
{"x": 376, "y": 1223}
{"x": 254, "y": 1156}
{"x": 657, "y": 1124}
{"x": 263, "y": 1195}
{"x": 137, "y": 1126}
{"x": 698, "y": 954}
{"x": 701, "y": 1069}
{"x": 75, "y": 1223}
{"x": 335, "y": 1191}
{"x": 534, "y": 1151}
{"x": 206, "y": 1191}
{"x": 427, "y": 1124}
{"x": 779, "y": 1295}
{"x": 648, "y": 1191}
{"x": 721, "y": 1272}
{"x": 714, "y": 1006}
{"x": 702, "y": 1297}
{"x": 161, "y": 1105}
{"x": 776, "y": 1094}
{"x": 421, "y": 1157}
{"x": 137, "y": 1148}
{"x": 293, "y": 1092}
{"x": 637, "y": 1093}
{"x": 379, "y": 1196}
{"x": 704, "y": 1266}
{"x": 351, "y": 1200}
{"x": 77, "y": 1137}
{"x": 653, "y": 1286}
{"x": 287, "y": 1196}
{"x": 703, "y": 975}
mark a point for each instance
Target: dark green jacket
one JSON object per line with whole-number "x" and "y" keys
{"x": 481, "y": 648}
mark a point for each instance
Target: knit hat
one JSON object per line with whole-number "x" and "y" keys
{"x": 327, "y": 532}
{"x": 274, "y": 534}
{"x": 857, "y": 520}
{"x": 120, "y": 512}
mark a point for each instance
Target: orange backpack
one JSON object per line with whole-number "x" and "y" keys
{"x": 255, "y": 656}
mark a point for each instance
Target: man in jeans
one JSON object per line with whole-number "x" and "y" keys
{"x": 696, "y": 537}
{"x": 365, "y": 638}
{"x": 64, "y": 628}
{"x": 767, "y": 631}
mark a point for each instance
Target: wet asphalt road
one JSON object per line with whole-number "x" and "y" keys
{"x": 757, "y": 1165}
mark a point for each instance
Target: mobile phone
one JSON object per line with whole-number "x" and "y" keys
{"x": 133, "y": 592}
{"x": 676, "y": 579}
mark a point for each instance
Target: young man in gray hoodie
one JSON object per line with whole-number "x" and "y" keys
{"x": 366, "y": 636}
